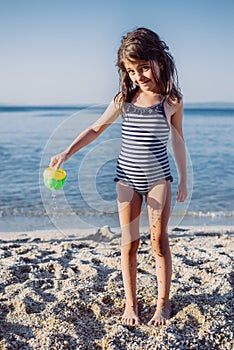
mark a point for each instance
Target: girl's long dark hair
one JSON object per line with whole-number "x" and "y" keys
{"x": 144, "y": 44}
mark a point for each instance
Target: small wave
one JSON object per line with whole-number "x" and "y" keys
{"x": 86, "y": 212}
{"x": 6, "y": 212}
{"x": 211, "y": 214}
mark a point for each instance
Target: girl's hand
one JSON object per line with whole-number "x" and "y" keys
{"x": 182, "y": 192}
{"x": 58, "y": 160}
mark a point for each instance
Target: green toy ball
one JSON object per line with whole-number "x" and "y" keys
{"x": 54, "y": 178}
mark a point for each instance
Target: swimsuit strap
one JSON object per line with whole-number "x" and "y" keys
{"x": 161, "y": 105}
{"x": 163, "y": 99}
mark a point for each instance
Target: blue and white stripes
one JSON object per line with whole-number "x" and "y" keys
{"x": 143, "y": 159}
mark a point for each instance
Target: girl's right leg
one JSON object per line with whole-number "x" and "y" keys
{"x": 129, "y": 206}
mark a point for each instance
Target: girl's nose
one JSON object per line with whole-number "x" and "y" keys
{"x": 139, "y": 76}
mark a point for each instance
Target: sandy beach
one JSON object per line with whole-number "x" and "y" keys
{"x": 65, "y": 291}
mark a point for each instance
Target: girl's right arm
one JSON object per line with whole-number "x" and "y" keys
{"x": 88, "y": 135}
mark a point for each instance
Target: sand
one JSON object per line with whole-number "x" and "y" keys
{"x": 65, "y": 291}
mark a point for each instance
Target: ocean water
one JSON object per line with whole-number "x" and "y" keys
{"x": 29, "y": 136}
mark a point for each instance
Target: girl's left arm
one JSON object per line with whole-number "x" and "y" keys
{"x": 179, "y": 150}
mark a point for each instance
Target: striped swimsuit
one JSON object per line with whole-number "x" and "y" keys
{"x": 143, "y": 158}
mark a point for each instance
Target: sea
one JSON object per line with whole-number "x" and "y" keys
{"x": 31, "y": 135}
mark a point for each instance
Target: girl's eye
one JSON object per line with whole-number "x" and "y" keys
{"x": 145, "y": 68}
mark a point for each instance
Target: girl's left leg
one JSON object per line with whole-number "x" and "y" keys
{"x": 158, "y": 204}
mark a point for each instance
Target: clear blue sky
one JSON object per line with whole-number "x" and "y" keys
{"x": 64, "y": 51}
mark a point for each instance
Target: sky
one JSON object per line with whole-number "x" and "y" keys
{"x": 64, "y": 51}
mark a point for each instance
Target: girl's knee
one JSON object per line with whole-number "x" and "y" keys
{"x": 160, "y": 244}
{"x": 130, "y": 248}
{"x": 160, "y": 249}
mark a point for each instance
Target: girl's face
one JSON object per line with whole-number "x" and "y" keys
{"x": 141, "y": 74}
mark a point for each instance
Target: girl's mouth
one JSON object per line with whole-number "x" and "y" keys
{"x": 144, "y": 82}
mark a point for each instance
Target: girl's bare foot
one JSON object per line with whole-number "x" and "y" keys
{"x": 130, "y": 316}
{"x": 161, "y": 316}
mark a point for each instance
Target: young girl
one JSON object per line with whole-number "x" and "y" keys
{"x": 151, "y": 105}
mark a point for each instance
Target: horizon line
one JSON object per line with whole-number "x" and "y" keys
{"x": 78, "y": 105}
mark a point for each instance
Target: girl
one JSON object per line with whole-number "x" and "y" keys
{"x": 151, "y": 105}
